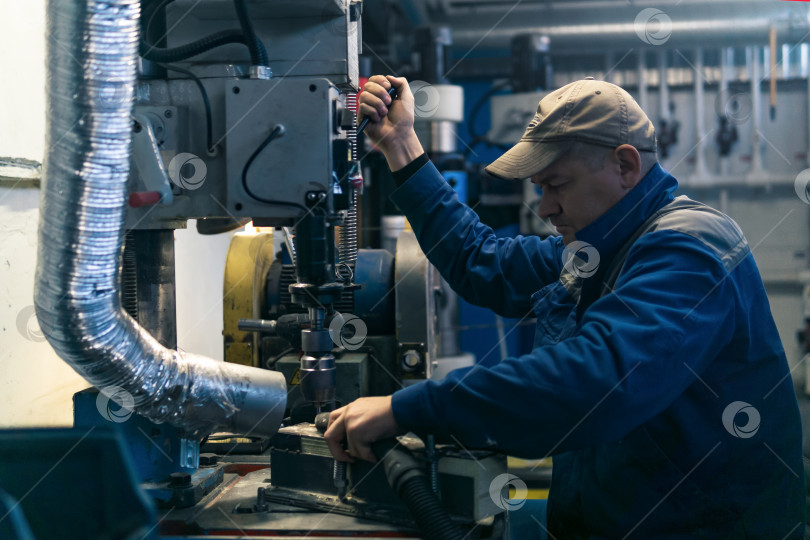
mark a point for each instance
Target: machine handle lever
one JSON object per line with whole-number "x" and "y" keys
{"x": 257, "y": 325}
{"x": 391, "y": 92}
{"x": 322, "y": 421}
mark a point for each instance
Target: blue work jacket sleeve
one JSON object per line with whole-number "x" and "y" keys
{"x": 497, "y": 273}
{"x": 634, "y": 352}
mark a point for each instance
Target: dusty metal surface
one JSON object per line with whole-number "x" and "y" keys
{"x": 228, "y": 511}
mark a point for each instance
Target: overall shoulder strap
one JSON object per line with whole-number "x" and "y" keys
{"x": 680, "y": 204}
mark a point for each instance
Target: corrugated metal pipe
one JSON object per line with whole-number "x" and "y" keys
{"x": 91, "y": 63}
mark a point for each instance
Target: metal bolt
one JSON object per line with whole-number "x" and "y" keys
{"x": 411, "y": 360}
{"x": 167, "y": 113}
{"x": 339, "y": 478}
{"x": 261, "y": 505}
{"x": 208, "y": 459}
{"x": 180, "y": 479}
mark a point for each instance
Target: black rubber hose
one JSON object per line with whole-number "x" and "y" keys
{"x": 258, "y": 54}
{"x": 209, "y": 122}
{"x": 408, "y": 480}
{"x": 276, "y": 132}
{"x": 433, "y": 521}
{"x": 482, "y": 138}
{"x": 184, "y": 52}
{"x": 477, "y": 109}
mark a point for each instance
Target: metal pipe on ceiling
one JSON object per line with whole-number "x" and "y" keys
{"x": 574, "y": 29}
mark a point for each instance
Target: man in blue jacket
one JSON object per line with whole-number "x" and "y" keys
{"x": 657, "y": 380}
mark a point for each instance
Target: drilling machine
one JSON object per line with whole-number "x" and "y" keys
{"x": 244, "y": 112}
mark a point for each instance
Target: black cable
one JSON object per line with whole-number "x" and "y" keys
{"x": 150, "y": 9}
{"x": 184, "y": 52}
{"x": 406, "y": 476}
{"x": 480, "y": 103}
{"x": 474, "y": 112}
{"x": 258, "y": 54}
{"x": 278, "y": 130}
{"x": 209, "y": 129}
{"x": 153, "y": 12}
{"x": 270, "y": 363}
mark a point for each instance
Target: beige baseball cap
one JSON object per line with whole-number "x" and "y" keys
{"x": 589, "y": 111}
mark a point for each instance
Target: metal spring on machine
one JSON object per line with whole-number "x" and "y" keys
{"x": 129, "y": 279}
{"x": 289, "y": 240}
{"x": 347, "y": 241}
{"x": 351, "y": 104}
{"x": 347, "y": 233}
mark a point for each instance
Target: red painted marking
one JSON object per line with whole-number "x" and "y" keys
{"x": 143, "y": 198}
{"x": 244, "y": 468}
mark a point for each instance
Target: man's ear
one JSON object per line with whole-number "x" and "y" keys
{"x": 629, "y": 165}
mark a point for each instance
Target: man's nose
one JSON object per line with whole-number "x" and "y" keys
{"x": 548, "y": 206}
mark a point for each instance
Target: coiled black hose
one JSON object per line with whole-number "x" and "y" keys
{"x": 408, "y": 480}
{"x": 184, "y": 52}
{"x": 258, "y": 54}
{"x": 433, "y": 521}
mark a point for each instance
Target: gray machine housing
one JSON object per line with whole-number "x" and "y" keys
{"x": 313, "y": 47}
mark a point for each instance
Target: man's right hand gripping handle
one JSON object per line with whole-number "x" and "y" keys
{"x": 391, "y": 126}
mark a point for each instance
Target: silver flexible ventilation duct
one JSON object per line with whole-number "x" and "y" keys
{"x": 92, "y": 53}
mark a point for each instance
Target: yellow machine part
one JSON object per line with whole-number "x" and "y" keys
{"x": 517, "y": 466}
{"x": 243, "y": 294}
